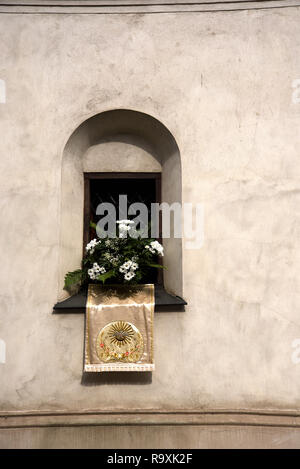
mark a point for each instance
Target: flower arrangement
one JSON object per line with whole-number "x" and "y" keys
{"x": 122, "y": 260}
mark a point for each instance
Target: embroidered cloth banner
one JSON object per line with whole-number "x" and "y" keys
{"x": 119, "y": 328}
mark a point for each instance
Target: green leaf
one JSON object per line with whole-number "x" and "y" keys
{"x": 73, "y": 279}
{"x": 104, "y": 277}
{"x": 93, "y": 225}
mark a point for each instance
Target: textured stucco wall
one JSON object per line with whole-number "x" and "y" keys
{"x": 222, "y": 84}
{"x": 167, "y": 436}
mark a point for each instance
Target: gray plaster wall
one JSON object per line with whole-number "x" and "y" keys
{"x": 168, "y": 436}
{"x": 222, "y": 84}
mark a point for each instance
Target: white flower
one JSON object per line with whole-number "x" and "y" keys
{"x": 95, "y": 271}
{"x": 92, "y": 244}
{"x": 126, "y": 266}
{"x": 123, "y": 231}
{"x": 129, "y": 275}
{"x": 155, "y": 247}
{"x": 91, "y": 274}
{"x": 125, "y": 222}
{"x": 124, "y": 226}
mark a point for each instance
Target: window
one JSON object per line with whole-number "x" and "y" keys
{"x": 106, "y": 187}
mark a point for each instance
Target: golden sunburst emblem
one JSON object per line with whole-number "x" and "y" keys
{"x": 120, "y": 341}
{"x": 120, "y": 333}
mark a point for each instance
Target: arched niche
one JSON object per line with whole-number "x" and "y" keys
{"x": 117, "y": 141}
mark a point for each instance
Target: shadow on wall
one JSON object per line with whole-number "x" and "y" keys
{"x": 117, "y": 141}
{"x": 115, "y": 377}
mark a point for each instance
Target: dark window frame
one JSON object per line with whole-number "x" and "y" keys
{"x": 119, "y": 175}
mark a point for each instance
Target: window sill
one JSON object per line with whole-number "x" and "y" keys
{"x": 164, "y": 301}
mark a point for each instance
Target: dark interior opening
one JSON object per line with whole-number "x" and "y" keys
{"x": 108, "y": 190}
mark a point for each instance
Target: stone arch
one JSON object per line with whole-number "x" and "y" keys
{"x": 117, "y": 141}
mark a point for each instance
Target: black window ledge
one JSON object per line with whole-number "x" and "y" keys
{"x": 164, "y": 301}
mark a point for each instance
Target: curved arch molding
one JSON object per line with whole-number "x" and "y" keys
{"x": 117, "y": 141}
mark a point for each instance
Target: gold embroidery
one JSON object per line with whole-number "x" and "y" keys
{"x": 119, "y": 328}
{"x": 120, "y": 341}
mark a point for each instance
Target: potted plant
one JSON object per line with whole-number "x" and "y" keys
{"x": 121, "y": 260}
